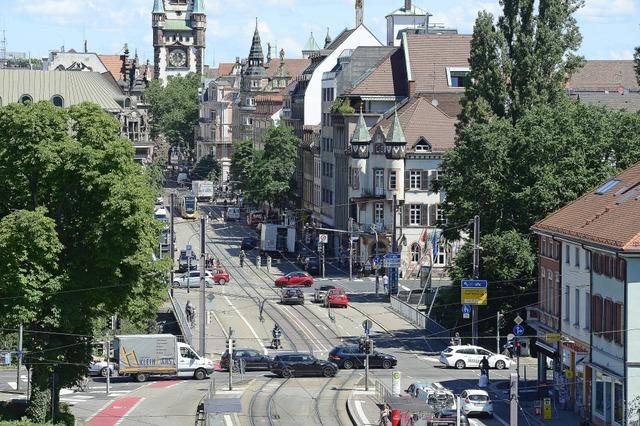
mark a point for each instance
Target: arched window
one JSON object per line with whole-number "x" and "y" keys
{"x": 25, "y": 98}
{"x": 415, "y": 252}
{"x": 422, "y": 145}
{"x": 58, "y": 101}
{"x": 127, "y": 102}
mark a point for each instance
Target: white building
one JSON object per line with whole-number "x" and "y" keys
{"x": 408, "y": 17}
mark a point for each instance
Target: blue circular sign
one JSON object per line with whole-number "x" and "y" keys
{"x": 466, "y": 309}
{"x": 518, "y": 330}
{"x": 376, "y": 260}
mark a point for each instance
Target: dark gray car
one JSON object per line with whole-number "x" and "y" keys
{"x": 301, "y": 364}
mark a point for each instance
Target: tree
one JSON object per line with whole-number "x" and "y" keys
{"x": 206, "y": 169}
{"x": 636, "y": 63}
{"x": 72, "y": 178}
{"x": 174, "y": 109}
{"x": 242, "y": 163}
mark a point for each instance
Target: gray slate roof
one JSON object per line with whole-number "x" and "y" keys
{"x": 75, "y": 87}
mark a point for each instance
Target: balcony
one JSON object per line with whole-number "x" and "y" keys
{"x": 205, "y": 120}
{"x": 381, "y": 228}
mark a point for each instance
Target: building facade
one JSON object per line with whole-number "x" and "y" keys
{"x": 179, "y": 41}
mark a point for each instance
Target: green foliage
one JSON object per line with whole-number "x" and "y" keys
{"x": 77, "y": 234}
{"x": 174, "y": 108}
{"x": 522, "y": 60}
{"x": 341, "y": 106}
{"x": 243, "y": 160}
{"x": 206, "y": 169}
{"x": 636, "y": 63}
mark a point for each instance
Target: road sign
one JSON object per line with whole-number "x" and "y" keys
{"x": 473, "y": 292}
{"x": 553, "y": 337}
{"x": 518, "y": 320}
{"x": 377, "y": 260}
{"x": 189, "y": 247}
{"x": 367, "y": 325}
{"x": 518, "y": 330}
{"x": 392, "y": 260}
{"x": 547, "y": 409}
{"x": 466, "y": 309}
{"x": 323, "y": 238}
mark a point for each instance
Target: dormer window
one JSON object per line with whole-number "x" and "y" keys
{"x": 423, "y": 146}
{"x": 24, "y": 99}
{"x": 458, "y": 77}
{"x": 58, "y": 101}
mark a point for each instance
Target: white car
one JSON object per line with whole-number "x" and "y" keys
{"x": 193, "y": 279}
{"x": 463, "y": 356}
{"x": 99, "y": 368}
{"x": 476, "y": 401}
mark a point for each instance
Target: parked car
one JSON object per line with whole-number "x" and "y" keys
{"x": 295, "y": 279}
{"x": 437, "y": 396}
{"x": 233, "y": 214}
{"x": 348, "y": 357}
{"x": 220, "y": 276}
{"x": 413, "y": 388}
{"x": 337, "y": 297}
{"x": 253, "y": 359}
{"x": 463, "y": 356}
{"x": 192, "y": 279}
{"x": 476, "y": 401}
{"x": 301, "y": 364}
{"x": 321, "y": 293}
{"x": 292, "y": 296}
{"x": 99, "y": 368}
{"x": 249, "y": 243}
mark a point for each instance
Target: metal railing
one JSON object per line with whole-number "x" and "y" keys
{"x": 383, "y": 393}
{"x": 408, "y": 312}
{"x": 178, "y": 312}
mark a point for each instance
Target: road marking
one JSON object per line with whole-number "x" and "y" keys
{"x": 165, "y": 384}
{"x": 500, "y": 420}
{"x": 227, "y": 420}
{"x": 113, "y": 412}
{"x": 266, "y": 352}
{"x": 360, "y": 412}
{"x": 224, "y": 330}
{"x": 405, "y": 288}
{"x": 363, "y": 392}
{"x": 130, "y": 411}
{"x": 322, "y": 348}
{"x": 13, "y": 385}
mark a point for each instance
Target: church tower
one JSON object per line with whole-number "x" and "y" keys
{"x": 179, "y": 28}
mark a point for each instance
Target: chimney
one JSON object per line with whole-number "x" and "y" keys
{"x": 359, "y": 12}
{"x": 407, "y": 4}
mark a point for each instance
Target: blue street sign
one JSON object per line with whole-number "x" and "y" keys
{"x": 466, "y": 309}
{"x": 392, "y": 256}
{"x": 377, "y": 260}
{"x": 189, "y": 247}
{"x": 518, "y": 330}
{"x": 474, "y": 283}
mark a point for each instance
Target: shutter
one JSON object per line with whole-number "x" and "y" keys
{"x": 425, "y": 182}
{"x": 405, "y": 215}
{"x": 432, "y": 215}
{"x": 356, "y": 178}
{"x": 407, "y": 175}
{"x": 424, "y": 215}
{"x": 596, "y": 319}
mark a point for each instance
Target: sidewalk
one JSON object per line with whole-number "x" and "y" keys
{"x": 362, "y": 406}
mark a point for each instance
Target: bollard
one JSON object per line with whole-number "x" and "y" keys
{"x": 395, "y": 417}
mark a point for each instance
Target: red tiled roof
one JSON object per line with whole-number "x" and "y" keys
{"x": 293, "y": 66}
{"x": 420, "y": 119}
{"x": 611, "y": 219}
{"x": 431, "y": 54}
{"x": 389, "y": 78}
{"x": 225, "y": 69}
{"x": 601, "y": 75}
{"x": 113, "y": 63}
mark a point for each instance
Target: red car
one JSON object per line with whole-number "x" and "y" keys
{"x": 337, "y": 297}
{"x": 220, "y": 276}
{"x": 295, "y": 279}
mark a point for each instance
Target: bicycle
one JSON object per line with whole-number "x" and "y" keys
{"x": 82, "y": 384}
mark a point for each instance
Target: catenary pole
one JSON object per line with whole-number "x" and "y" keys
{"x": 476, "y": 275}
{"x": 202, "y": 285}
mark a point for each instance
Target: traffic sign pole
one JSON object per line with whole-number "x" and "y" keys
{"x": 476, "y": 275}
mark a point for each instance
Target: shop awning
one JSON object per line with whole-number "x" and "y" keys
{"x": 546, "y": 349}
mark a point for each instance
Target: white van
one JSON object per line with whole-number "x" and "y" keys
{"x": 162, "y": 214}
{"x": 233, "y": 213}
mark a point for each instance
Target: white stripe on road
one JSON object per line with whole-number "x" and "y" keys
{"x": 321, "y": 347}
{"x": 361, "y": 414}
{"x": 266, "y": 352}
{"x": 13, "y": 385}
{"x": 227, "y": 420}
{"x": 405, "y": 288}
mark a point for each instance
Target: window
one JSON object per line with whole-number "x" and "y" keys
{"x": 442, "y": 255}
{"x": 414, "y": 214}
{"x": 618, "y": 403}
{"x": 599, "y": 394}
{"x": 587, "y": 311}
{"x": 57, "y": 101}
{"x": 415, "y": 252}
{"x": 379, "y": 213}
{"x": 422, "y": 146}
{"x": 393, "y": 180}
{"x": 415, "y": 179}
{"x": 378, "y": 182}
{"x": 576, "y": 311}
{"x": 551, "y": 294}
{"x": 567, "y": 303}
{"x": 25, "y": 99}
{"x": 543, "y": 246}
{"x": 608, "y": 320}
{"x": 596, "y": 315}
{"x": 543, "y": 290}
{"x": 587, "y": 260}
{"x": 440, "y": 214}
{"x": 458, "y": 77}
{"x": 577, "y": 262}
{"x": 567, "y": 255}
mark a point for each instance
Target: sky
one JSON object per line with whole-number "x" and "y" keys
{"x": 610, "y": 28}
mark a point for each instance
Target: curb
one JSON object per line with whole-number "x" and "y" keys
{"x": 352, "y": 417}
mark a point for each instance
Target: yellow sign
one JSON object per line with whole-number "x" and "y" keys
{"x": 547, "y": 409}
{"x": 474, "y": 296}
{"x": 569, "y": 374}
{"x": 553, "y": 337}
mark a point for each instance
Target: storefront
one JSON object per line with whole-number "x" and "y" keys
{"x": 607, "y": 397}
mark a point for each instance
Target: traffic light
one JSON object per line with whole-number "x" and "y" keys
{"x": 118, "y": 323}
{"x": 110, "y": 323}
{"x": 518, "y": 347}
{"x": 361, "y": 346}
{"x": 500, "y": 320}
{"x": 231, "y": 344}
{"x": 368, "y": 346}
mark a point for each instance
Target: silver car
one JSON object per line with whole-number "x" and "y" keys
{"x": 193, "y": 279}
{"x": 99, "y": 368}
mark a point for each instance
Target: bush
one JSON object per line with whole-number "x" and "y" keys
{"x": 341, "y": 106}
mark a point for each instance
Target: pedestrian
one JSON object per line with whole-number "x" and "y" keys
{"x": 190, "y": 311}
{"x": 269, "y": 264}
{"x": 457, "y": 339}
{"x": 258, "y": 261}
{"x": 484, "y": 366}
{"x": 242, "y": 256}
{"x": 385, "y": 282}
{"x": 385, "y": 415}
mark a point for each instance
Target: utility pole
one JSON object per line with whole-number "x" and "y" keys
{"x": 202, "y": 285}
{"x": 367, "y": 346}
{"x": 376, "y": 267}
{"x": 476, "y": 275}
{"x": 20, "y": 332}
{"x": 350, "y": 249}
{"x": 498, "y": 332}
{"x": 393, "y": 273}
{"x": 108, "y": 360}
{"x": 189, "y": 270}
{"x": 171, "y": 237}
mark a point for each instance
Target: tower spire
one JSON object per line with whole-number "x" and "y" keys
{"x": 359, "y": 12}
{"x": 327, "y": 39}
{"x": 158, "y": 6}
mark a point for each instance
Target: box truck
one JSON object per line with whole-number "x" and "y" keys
{"x": 203, "y": 190}
{"x": 141, "y": 356}
{"x": 277, "y": 238}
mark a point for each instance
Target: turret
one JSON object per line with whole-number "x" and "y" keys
{"x": 256, "y": 56}
{"x": 199, "y": 25}
{"x": 395, "y": 142}
{"x": 360, "y": 140}
{"x": 327, "y": 39}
